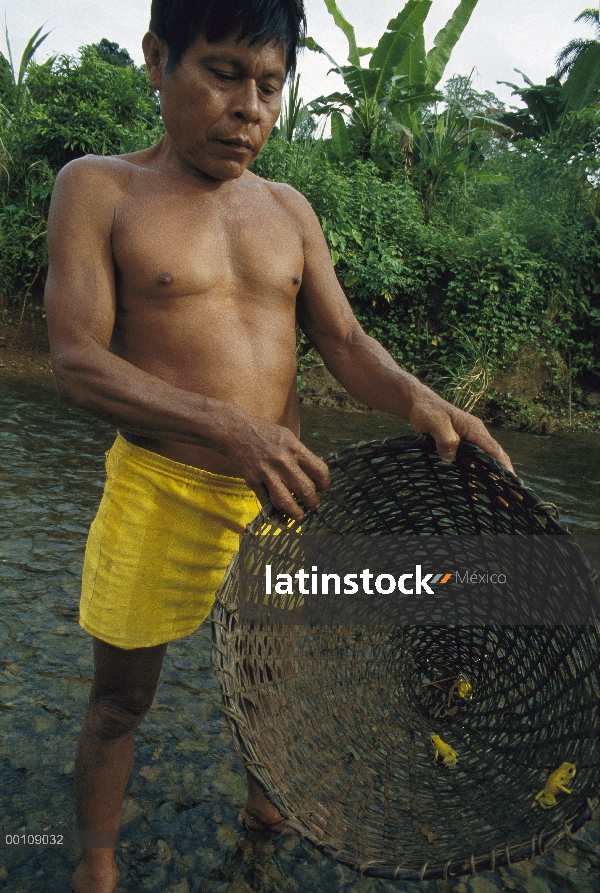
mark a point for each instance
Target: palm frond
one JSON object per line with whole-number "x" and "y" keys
{"x": 591, "y": 16}
{"x": 569, "y": 55}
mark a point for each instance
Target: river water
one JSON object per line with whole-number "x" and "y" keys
{"x": 180, "y": 829}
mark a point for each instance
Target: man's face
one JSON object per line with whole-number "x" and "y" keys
{"x": 220, "y": 103}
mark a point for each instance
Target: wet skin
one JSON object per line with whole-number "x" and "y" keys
{"x": 176, "y": 280}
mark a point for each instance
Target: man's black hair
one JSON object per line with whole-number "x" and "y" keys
{"x": 180, "y": 22}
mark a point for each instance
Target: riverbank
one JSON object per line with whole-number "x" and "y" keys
{"x": 523, "y": 397}
{"x": 526, "y": 395}
{"x": 24, "y": 350}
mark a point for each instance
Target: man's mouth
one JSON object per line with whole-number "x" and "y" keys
{"x": 242, "y": 145}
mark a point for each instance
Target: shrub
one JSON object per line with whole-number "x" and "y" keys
{"x": 72, "y": 107}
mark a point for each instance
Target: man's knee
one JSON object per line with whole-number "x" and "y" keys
{"x": 123, "y": 689}
{"x": 111, "y": 717}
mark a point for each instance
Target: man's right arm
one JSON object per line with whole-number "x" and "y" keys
{"x": 80, "y": 305}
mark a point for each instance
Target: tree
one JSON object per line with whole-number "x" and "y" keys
{"x": 549, "y": 105}
{"x": 113, "y": 54}
{"x": 87, "y": 105}
{"x": 400, "y": 78}
{"x": 569, "y": 55}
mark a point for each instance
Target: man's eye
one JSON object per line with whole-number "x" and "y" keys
{"x": 223, "y": 75}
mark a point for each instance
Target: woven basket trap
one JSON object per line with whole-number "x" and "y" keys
{"x": 335, "y": 722}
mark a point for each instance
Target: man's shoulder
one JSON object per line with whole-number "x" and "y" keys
{"x": 93, "y": 171}
{"x": 286, "y": 196}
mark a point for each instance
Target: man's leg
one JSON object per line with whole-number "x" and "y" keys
{"x": 122, "y": 693}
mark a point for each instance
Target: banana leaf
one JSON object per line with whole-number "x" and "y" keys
{"x": 445, "y": 41}
{"x": 347, "y": 28}
{"x": 322, "y": 105}
{"x": 412, "y": 64}
{"x": 582, "y": 87}
{"x": 362, "y": 82}
{"x": 395, "y": 42}
{"x": 340, "y": 141}
{"x": 312, "y": 44}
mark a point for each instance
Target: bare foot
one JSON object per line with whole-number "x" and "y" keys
{"x": 260, "y": 814}
{"x": 254, "y": 823}
{"x": 95, "y": 878}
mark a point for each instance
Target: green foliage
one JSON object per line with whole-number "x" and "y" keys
{"x": 457, "y": 247}
{"x": 34, "y": 42}
{"x": 14, "y": 84}
{"x": 71, "y": 107}
{"x": 467, "y": 379}
{"x": 293, "y": 112}
{"x": 508, "y": 256}
{"x": 340, "y": 141}
{"x": 569, "y": 55}
{"x": 87, "y": 106}
{"x": 445, "y": 146}
{"x": 113, "y": 53}
{"x": 549, "y": 105}
{"x": 399, "y": 80}
{"x": 445, "y": 41}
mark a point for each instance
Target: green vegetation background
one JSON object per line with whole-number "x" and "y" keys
{"x": 466, "y": 250}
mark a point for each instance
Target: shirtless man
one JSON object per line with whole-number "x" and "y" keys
{"x": 176, "y": 280}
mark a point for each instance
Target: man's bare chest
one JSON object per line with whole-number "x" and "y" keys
{"x": 165, "y": 247}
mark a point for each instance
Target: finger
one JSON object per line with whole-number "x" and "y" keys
{"x": 301, "y": 486}
{"x": 280, "y": 497}
{"x": 477, "y": 433}
{"x": 316, "y": 470}
{"x": 494, "y": 449}
{"x": 442, "y": 430}
{"x": 262, "y": 494}
{"x": 283, "y": 500}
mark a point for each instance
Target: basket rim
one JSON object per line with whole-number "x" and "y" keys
{"x": 425, "y": 443}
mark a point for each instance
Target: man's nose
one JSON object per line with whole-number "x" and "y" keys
{"x": 247, "y": 102}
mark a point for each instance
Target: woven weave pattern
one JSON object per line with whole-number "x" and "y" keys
{"x": 335, "y": 722}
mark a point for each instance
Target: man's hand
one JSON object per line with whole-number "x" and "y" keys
{"x": 448, "y": 424}
{"x": 275, "y": 464}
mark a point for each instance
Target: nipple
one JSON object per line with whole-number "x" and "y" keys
{"x": 164, "y": 278}
{"x": 296, "y": 279}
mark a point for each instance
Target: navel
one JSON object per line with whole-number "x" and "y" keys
{"x": 164, "y": 278}
{"x": 296, "y": 279}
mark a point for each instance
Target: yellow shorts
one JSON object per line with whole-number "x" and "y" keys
{"x": 159, "y": 547}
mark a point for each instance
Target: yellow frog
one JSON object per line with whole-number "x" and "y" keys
{"x": 464, "y": 689}
{"x": 556, "y": 784}
{"x": 444, "y": 751}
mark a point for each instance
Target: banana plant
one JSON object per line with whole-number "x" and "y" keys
{"x": 400, "y": 78}
{"x": 549, "y": 105}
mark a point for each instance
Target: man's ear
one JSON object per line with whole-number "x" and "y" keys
{"x": 156, "y": 53}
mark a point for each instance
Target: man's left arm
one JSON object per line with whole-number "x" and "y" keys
{"x": 363, "y": 366}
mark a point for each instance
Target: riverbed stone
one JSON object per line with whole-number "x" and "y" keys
{"x": 227, "y": 836}
{"x": 131, "y": 810}
{"x": 484, "y": 884}
{"x": 231, "y": 785}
